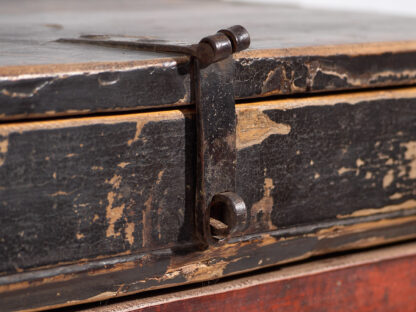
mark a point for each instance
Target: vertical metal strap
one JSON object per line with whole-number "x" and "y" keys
{"x": 216, "y": 137}
{"x": 219, "y": 211}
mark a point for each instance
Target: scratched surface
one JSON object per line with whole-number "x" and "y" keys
{"x": 94, "y": 187}
{"x": 333, "y": 157}
{"x": 326, "y": 51}
{"x": 98, "y": 207}
{"x": 118, "y": 191}
{"x": 338, "y": 283}
{"x": 27, "y": 29}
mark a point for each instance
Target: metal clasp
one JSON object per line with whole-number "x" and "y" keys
{"x": 219, "y": 212}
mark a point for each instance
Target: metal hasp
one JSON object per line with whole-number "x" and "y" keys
{"x": 219, "y": 212}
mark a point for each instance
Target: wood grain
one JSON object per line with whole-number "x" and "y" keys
{"x": 327, "y": 51}
{"x": 99, "y": 207}
{"x": 378, "y": 280}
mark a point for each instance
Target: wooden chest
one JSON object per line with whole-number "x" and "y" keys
{"x": 100, "y": 143}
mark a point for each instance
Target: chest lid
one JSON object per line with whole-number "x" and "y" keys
{"x": 293, "y": 51}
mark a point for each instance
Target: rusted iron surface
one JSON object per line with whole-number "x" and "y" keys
{"x": 216, "y": 131}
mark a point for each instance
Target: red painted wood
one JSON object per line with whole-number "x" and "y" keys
{"x": 389, "y": 285}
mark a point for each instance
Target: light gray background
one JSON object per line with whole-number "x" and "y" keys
{"x": 396, "y": 7}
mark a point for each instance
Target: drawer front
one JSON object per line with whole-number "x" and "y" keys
{"x": 340, "y": 283}
{"x": 97, "y": 207}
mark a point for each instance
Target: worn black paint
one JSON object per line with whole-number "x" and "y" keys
{"x": 43, "y": 230}
{"x": 63, "y": 191}
{"x": 303, "y": 74}
{"x": 40, "y": 228}
{"x": 155, "y": 86}
{"x": 54, "y": 200}
{"x": 333, "y": 161}
{"x": 85, "y": 286}
{"x": 150, "y": 86}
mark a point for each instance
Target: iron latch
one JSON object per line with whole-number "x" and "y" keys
{"x": 220, "y": 212}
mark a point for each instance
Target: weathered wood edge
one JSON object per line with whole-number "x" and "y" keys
{"x": 15, "y": 72}
{"x": 210, "y": 266}
{"x": 385, "y": 257}
{"x": 253, "y": 130}
{"x": 164, "y": 268}
{"x": 76, "y": 89}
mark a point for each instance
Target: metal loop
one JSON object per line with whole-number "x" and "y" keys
{"x": 221, "y": 48}
{"x": 239, "y": 36}
{"x": 228, "y": 214}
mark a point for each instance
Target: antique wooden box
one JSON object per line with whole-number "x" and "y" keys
{"x": 100, "y": 143}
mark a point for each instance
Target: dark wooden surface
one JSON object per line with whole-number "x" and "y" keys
{"x": 293, "y": 51}
{"x": 103, "y": 206}
{"x": 378, "y": 280}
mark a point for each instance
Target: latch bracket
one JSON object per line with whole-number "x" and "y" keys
{"x": 220, "y": 212}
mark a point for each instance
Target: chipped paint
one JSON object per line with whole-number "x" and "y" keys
{"x": 388, "y": 178}
{"x": 123, "y": 164}
{"x": 109, "y": 82}
{"x": 147, "y": 215}
{"x": 261, "y": 211}
{"x": 114, "y": 181}
{"x": 128, "y": 231}
{"x": 159, "y": 176}
{"x": 59, "y": 193}
{"x": 350, "y": 49}
{"x": 159, "y": 208}
{"x": 338, "y": 230}
{"x": 389, "y": 162}
{"x": 137, "y": 118}
{"x": 267, "y": 184}
{"x": 200, "y": 271}
{"x": 113, "y": 214}
{"x": 359, "y": 162}
{"x": 410, "y": 155}
{"x": 329, "y": 100}
{"x": 254, "y": 126}
{"x": 270, "y": 77}
{"x": 396, "y": 196}
{"x": 409, "y": 204}
{"x": 23, "y": 95}
{"x": 197, "y": 267}
{"x": 343, "y": 170}
{"x": 146, "y": 221}
{"x": 139, "y": 126}
{"x": 360, "y": 81}
{"x": 4, "y": 144}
